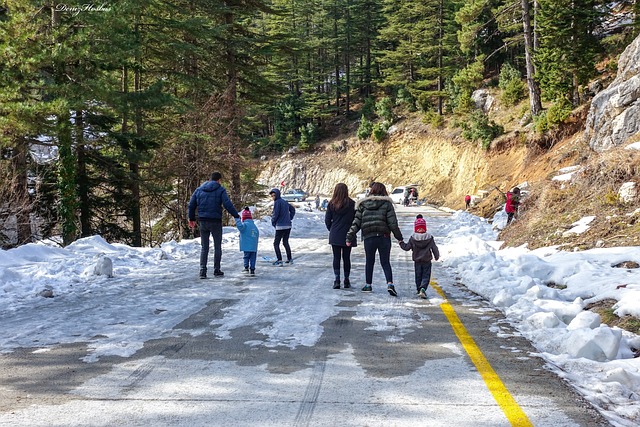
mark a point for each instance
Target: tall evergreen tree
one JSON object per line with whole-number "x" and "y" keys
{"x": 421, "y": 49}
{"x": 566, "y": 57}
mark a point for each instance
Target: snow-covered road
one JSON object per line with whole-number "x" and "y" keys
{"x": 154, "y": 345}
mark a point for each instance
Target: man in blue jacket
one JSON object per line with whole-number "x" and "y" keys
{"x": 283, "y": 213}
{"x": 209, "y": 199}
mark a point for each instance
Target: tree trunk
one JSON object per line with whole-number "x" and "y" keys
{"x": 134, "y": 166}
{"x": 82, "y": 178}
{"x": 336, "y": 57}
{"x": 440, "y": 54}
{"x": 20, "y": 193}
{"x": 66, "y": 174}
{"x": 534, "y": 88}
{"x": 347, "y": 60}
{"x": 232, "y": 116}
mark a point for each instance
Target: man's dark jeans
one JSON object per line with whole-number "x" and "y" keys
{"x": 284, "y": 236}
{"x": 211, "y": 228}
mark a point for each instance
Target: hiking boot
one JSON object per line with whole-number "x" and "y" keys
{"x": 252, "y": 272}
{"x": 367, "y": 288}
{"x": 203, "y": 272}
{"x": 347, "y": 283}
{"x": 392, "y": 290}
{"x": 218, "y": 273}
{"x": 336, "y": 284}
{"x": 423, "y": 293}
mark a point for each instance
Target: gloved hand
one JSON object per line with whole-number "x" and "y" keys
{"x": 238, "y": 221}
{"x": 192, "y": 224}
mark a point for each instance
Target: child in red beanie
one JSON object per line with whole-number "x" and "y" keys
{"x": 424, "y": 250}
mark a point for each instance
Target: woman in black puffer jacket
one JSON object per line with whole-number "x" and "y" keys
{"x": 376, "y": 217}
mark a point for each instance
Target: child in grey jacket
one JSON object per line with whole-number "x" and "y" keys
{"x": 424, "y": 250}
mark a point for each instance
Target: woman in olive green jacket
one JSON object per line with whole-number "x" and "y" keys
{"x": 376, "y": 217}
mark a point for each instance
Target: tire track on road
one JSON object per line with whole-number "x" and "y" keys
{"x": 310, "y": 398}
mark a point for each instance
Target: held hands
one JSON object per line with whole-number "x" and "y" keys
{"x": 192, "y": 224}
{"x": 348, "y": 244}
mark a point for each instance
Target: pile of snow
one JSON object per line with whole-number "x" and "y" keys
{"x": 544, "y": 293}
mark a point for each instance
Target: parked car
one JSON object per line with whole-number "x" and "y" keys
{"x": 398, "y": 194}
{"x": 294, "y": 195}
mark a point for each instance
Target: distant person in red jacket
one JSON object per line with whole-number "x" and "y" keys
{"x": 513, "y": 201}
{"x": 467, "y": 201}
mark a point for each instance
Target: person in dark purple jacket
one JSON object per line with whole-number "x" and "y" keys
{"x": 338, "y": 218}
{"x": 281, "y": 217}
{"x": 209, "y": 199}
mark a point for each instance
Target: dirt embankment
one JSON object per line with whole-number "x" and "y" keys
{"x": 444, "y": 165}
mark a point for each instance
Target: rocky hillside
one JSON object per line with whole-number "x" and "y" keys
{"x": 591, "y": 144}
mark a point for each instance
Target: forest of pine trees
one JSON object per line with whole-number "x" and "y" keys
{"x": 112, "y": 114}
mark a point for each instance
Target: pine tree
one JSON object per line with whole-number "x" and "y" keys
{"x": 421, "y": 50}
{"x": 566, "y": 57}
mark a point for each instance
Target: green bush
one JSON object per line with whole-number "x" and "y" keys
{"x": 480, "y": 128}
{"x": 540, "y": 122}
{"x": 368, "y": 108}
{"x": 434, "y": 119}
{"x": 384, "y": 109}
{"x": 406, "y": 99}
{"x": 365, "y": 128}
{"x": 559, "y": 111}
{"x": 380, "y": 131}
{"x": 308, "y": 136}
{"x": 462, "y": 85}
{"x": 513, "y": 89}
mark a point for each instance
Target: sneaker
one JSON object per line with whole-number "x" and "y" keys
{"x": 367, "y": 288}
{"x": 392, "y": 290}
{"x": 252, "y": 272}
{"x": 417, "y": 291}
{"x": 218, "y": 273}
{"x": 347, "y": 283}
{"x": 246, "y": 269}
{"x": 289, "y": 261}
{"x": 423, "y": 293}
{"x": 278, "y": 262}
{"x": 336, "y": 284}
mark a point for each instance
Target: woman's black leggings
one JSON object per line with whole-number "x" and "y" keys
{"x": 382, "y": 245}
{"x": 344, "y": 253}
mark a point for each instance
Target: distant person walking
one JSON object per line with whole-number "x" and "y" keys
{"x": 249, "y": 235}
{"x": 424, "y": 250}
{"x": 281, "y": 217}
{"x": 467, "y": 201}
{"x": 376, "y": 217}
{"x": 317, "y": 200}
{"x": 208, "y": 200}
{"x": 513, "y": 201}
{"x": 341, "y": 211}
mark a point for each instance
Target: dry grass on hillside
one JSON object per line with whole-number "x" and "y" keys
{"x": 552, "y": 206}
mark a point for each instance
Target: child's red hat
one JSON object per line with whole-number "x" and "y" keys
{"x": 420, "y": 226}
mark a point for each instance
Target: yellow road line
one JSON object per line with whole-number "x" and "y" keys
{"x": 507, "y": 403}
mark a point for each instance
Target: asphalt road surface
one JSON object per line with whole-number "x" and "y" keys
{"x": 458, "y": 363}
